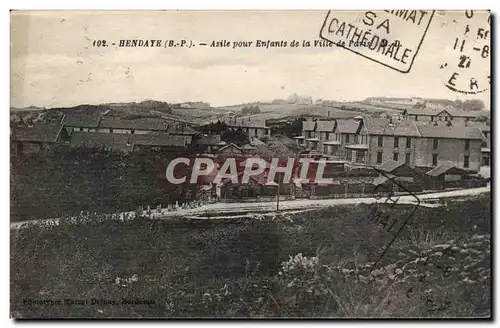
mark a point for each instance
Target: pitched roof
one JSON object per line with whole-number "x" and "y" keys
{"x": 248, "y": 147}
{"x": 181, "y": 130}
{"x": 308, "y": 125}
{"x": 115, "y": 141}
{"x": 389, "y": 166}
{"x": 254, "y": 124}
{"x": 376, "y": 125}
{"x": 210, "y": 140}
{"x": 231, "y": 145}
{"x": 82, "y": 120}
{"x": 382, "y": 126}
{"x": 428, "y": 111}
{"x": 325, "y": 126}
{"x": 455, "y": 112}
{"x": 347, "y": 126}
{"x": 151, "y": 124}
{"x": 481, "y": 125}
{"x": 257, "y": 142}
{"x": 159, "y": 140}
{"x": 380, "y": 180}
{"x": 445, "y": 168}
{"x": 37, "y": 133}
{"x": 453, "y": 132}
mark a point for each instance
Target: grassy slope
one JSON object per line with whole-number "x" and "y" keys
{"x": 235, "y": 268}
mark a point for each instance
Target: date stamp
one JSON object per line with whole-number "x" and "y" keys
{"x": 389, "y": 37}
{"x": 468, "y": 71}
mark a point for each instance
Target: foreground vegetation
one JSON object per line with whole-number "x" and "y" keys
{"x": 319, "y": 264}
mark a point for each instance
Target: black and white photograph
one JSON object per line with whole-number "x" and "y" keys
{"x": 250, "y": 164}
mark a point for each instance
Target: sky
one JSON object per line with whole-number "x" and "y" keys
{"x": 53, "y": 61}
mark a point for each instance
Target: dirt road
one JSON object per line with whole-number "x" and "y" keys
{"x": 221, "y": 209}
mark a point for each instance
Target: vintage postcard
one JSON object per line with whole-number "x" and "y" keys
{"x": 250, "y": 164}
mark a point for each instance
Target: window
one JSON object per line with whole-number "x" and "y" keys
{"x": 435, "y": 145}
{"x": 81, "y": 129}
{"x": 355, "y": 139}
{"x": 432, "y": 118}
{"x": 328, "y": 136}
{"x": 110, "y": 130}
{"x": 360, "y": 156}
{"x": 416, "y": 117}
{"x": 132, "y": 131}
{"x": 446, "y": 118}
{"x": 484, "y": 144}
{"x": 466, "y": 161}
{"x": 434, "y": 159}
{"x": 349, "y": 155}
{"x": 396, "y": 142}
{"x": 408, "y": 142}
{"x": 407, "y": 158}
{"x": 380, "y": 141}
{"x": 256, "y": 132}
{"x": 467, "y": 144}
{"x": 346, "y": 138}
{"x": 395, "y": 156}
{"x": 379, "y": 157}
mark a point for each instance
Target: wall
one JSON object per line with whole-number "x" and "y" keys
{"x": 450, "y": 151}
{"x": 388, "y": 149}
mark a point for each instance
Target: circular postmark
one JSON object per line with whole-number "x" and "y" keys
{"x": 467, "y": 68}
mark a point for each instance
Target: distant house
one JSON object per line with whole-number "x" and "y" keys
{"x": 30, "y": 139}
{"x": 209, "y": 143}
{"x": 308, "y": 138}
{"x": 178, "y": 129}
{"x": 353, "y": 137}
{"x": 127, "y": 143}
{"x": 102, "y": 141}
{"x": 81, "y": 122}
{"x": 439, "y": 114}
{"x": 254, "y": 129}
{"x": 132, "y": 126}
{"x": 325, "y": 133}
{"x": 397, "y": 176}
{"x": 443, "y": 175}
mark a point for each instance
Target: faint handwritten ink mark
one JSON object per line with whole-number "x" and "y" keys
{"x": 405, "y": 222}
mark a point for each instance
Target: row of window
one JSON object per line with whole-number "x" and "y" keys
{"x": 395, "y": 157}
{"x": 408, "y": 143}
{"x": 356, "y": 138}
{"x": 396, "y": 142}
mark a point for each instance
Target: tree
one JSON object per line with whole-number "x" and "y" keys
{"x": 236, "y": 136}
{"x": 473, "y": 105}
{"x": 250, "y": 110}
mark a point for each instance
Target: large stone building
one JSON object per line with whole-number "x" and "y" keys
{"x": 367, "y": 141}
